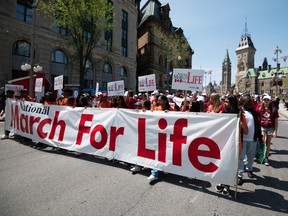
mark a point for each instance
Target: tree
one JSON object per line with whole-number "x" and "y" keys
{"x": 176, "y": 50}
{"x": 174, "y": 45}
{"x": 85, "y": 22}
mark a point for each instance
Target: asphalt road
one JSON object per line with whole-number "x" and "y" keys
{"x": 46, "y": 182}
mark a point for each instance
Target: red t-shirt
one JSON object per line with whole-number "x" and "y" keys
{"x": 267, "y": 119}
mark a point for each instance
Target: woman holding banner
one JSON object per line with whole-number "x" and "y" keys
{"x": 231, "y": 106}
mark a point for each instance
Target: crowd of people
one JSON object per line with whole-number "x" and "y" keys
{"x": 259, "y": 116}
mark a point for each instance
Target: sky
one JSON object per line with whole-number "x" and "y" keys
{"x": 212, "y": 26}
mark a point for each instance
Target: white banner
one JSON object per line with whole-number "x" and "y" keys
{"x": 58, "y": 82}
{"x": 147, "y": 83}
{"x": 38, "y": 84}
{"x": 115, "y": 88}
{"x": 196, "y": 145}
{"x": 187, "y": 79}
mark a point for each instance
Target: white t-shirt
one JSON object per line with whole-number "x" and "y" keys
{"x": 250, "y": 125}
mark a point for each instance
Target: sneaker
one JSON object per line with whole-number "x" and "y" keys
{"x": 4, "y": 136}
{"x": 219, "y": 187}
{"x": 152, "y": 178}
{"x": 266, "y": 162}
{"x": 225, "y": 191}
{"x": 240, "y": 181}
{"x": 135, "y": 169}
{"x": 250, "y": 174}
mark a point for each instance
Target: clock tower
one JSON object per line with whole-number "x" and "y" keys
{"x": 226, "y": 73}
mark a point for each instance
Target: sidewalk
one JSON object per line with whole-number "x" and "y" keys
{"x": 283, "y": 110}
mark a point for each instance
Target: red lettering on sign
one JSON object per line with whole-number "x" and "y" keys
{"x": 194, "y": 152}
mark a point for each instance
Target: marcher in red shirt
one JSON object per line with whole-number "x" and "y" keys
{"x": 268, "y": 116}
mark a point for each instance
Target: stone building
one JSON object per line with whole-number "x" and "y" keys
{"x": 55, "y": 58}
{"x": 151, "y": 58}
{"x": 264, "y": 79}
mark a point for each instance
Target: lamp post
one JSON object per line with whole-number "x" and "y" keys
{"x": 35, "y": 69}
{"x": 276, "y": 51}
{"x": 31, "y": 74}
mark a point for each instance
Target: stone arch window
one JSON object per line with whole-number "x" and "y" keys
{"x": 107, "y": 75}
{"x": 123, "y": 72}
{"x": 21, "y": 51}
{"x": 59, "y": 63}
{"x": 124, "y": 76}
{"x": 262, "y": 84}
{"x": 59, "y": 56}
{"x": 21, "y": 48}
{"x": 160, "y": 60}
{"x": 107, "y": 68}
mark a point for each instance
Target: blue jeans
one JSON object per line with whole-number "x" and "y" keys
{"x": 248, "y": 152}
{"x": 154, "y": 172}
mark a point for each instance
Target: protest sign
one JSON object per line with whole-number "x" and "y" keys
{"x": 115, "y": 88}
{"x": 187, "y": 79}
{"x": 147, "y": 83}
{"x": 58, "y": 82}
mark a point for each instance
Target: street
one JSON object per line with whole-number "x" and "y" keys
{"x": 46, "y": 182}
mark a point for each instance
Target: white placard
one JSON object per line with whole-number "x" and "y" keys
{"x": 115, "y": 88}
{"x": 97, "y": 89}
{"x": 38, "y": 84}
{"x": 58, "y": 82}
{"x": 187, "y": 79}
{"x": 147, "y": 83}
{"x": 15, "y": 88}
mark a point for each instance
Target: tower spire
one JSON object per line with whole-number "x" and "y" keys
{"x": 246, "y": 29}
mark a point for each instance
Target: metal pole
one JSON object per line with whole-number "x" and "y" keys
{"x": 276, "y": 70}
{"x": 31, "y": 78}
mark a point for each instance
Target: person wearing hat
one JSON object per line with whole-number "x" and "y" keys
{"x": 24, "y": 95}
{"x": 9, "y": 95}
{"x": 268, "y": 115}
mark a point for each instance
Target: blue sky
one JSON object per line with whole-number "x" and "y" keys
{"x": 212, "y": 26}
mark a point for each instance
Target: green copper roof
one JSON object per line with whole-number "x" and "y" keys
{"x": 265, "y": 74}
{"x": 227, "y": 59}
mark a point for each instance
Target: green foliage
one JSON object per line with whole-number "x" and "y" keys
{"x": 85, "y": 22}
{"x": 173, "y": 46}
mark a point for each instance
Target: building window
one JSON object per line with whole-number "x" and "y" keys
{"x": 24, "y": 12}
{"x": 59, "y": 64}
{"x": 60, "y": 30}
{"x": 21, "y": 48}
{"x": 123, "y": 72}
{"x": 107, "y": 68}
{"x": 87, "y": 36}
{"x": 109, "y": 33}
{"x": 161, "y": 60}
{"x": 58, "y": 56}
{"x": 88, "y": 76}
{"x": 124, "y": 39}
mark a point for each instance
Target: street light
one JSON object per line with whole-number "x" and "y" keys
{"x": 276, "y": 51}
{"x": 36, "y": 69}
{"x": 31, "y": 79}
